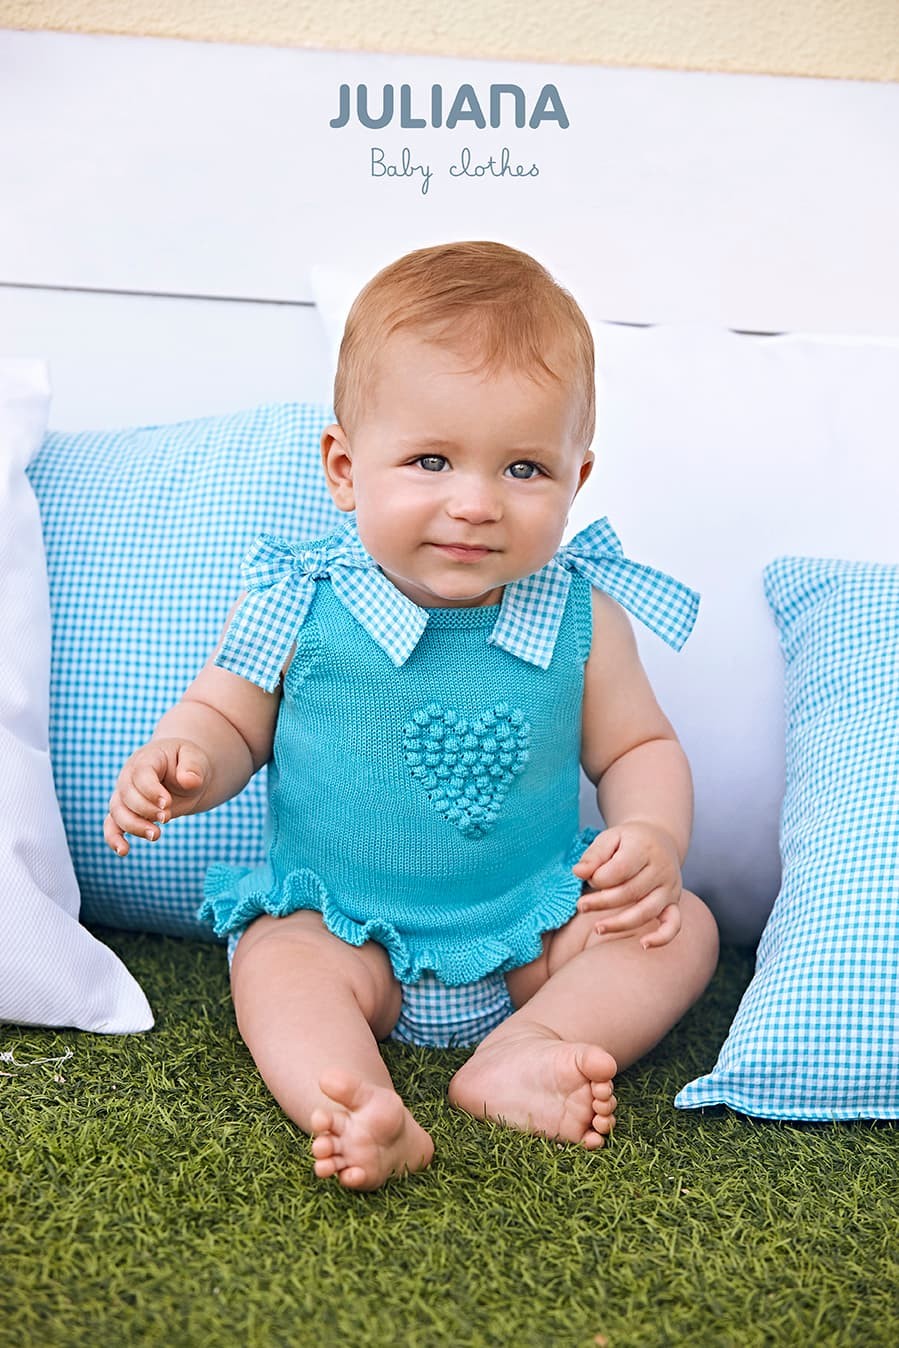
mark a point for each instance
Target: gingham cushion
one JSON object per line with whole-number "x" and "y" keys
{"x": 145, "y": 530}
{"x": 816, "y": 1035}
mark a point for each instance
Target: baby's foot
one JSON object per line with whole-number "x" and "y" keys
{"x": 369, "y": 1137}
{"x": 537, "y": 1082}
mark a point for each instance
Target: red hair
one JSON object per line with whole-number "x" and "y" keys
{"x": 480, "y": 295}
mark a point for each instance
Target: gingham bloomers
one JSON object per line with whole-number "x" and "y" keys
{"x": 425, "y": 779}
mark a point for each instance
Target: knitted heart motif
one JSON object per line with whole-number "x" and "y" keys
{"x": 466, "y": 766}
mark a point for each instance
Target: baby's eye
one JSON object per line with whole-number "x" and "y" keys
{"x": 432, "y": 463}
{"x": 524, "y": 470}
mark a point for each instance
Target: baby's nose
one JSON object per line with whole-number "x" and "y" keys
{"x": 474, "y": 498}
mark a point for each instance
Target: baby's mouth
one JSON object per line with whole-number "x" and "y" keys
{"x": 463, "y": 551}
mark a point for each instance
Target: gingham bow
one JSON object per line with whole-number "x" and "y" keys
{"x": 275, "y": 561}
{"x": 533, "y": 607}
{"x": 280, "y": 581}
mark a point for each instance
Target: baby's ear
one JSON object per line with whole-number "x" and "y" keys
{"x": 586, "y": 469}
{"x": 337, "y": 461}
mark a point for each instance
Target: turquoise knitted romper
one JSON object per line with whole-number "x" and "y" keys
{"x": 425, "y": 779}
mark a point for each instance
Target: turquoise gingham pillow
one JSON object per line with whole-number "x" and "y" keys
{"x": 145, "y": 530}
{"x": 816, "y": 1035}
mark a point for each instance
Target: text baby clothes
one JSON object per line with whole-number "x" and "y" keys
{"x": 424, "y": 786}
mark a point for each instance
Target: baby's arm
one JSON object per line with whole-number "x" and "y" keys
{"x": 644, "y": 787}
{"x": 203, "y": 751}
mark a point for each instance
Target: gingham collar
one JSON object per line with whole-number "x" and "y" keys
{"x": 280, "y": 577}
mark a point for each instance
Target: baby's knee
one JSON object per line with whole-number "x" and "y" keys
{"x": 298, "y": 946}
{"x": 698, "y": 925}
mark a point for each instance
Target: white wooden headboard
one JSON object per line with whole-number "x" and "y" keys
{"x": 161, "y": 203}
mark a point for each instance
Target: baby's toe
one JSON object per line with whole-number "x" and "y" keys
{"x": 323, "y": 1145}
{"x": 344, "y": 1087}
{"x": 597, "y": 1066}
{"x": 324, "y": 1169}
{"x": 354, "y": 1177}
{"x": 593, "y": 1140}
{"x": 321, "y": 1121}
{"x": 604, "y": 1113}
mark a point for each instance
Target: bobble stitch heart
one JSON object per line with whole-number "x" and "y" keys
{"x": 466, "y": 766}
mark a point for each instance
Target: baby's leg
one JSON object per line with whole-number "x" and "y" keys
{"x": 310, "y": 1009}
{"x": 586, "y": 1004}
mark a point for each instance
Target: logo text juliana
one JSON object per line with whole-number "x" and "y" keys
{"x": 502, "y": 101}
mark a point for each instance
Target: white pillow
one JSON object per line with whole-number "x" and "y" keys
{"x": 716, "y": 451}
{"x": 52, "y": 971}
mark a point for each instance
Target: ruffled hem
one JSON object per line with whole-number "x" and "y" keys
{"x": 235, "y": 895}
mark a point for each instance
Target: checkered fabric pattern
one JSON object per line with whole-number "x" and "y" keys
{"x": 144, "y": 530}
{"x": 280, "y": 577}
{"x": 533, "y": 610}
{"x": 280, "y": 581}
{"x": 816, "y": 1035}
{"x": 436, "y": 1016}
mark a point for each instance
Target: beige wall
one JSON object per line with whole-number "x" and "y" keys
{"x": 849, "y": 39}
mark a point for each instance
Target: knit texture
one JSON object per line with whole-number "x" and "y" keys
{"x": 426, "y": 800}
{"x": 359, "y": 816}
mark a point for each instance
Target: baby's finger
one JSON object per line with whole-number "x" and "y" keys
{"x": 147, "y": 779}
{"x": 190, "y": 767}
{"x": 129, "y": 821}
{"x": 142, "y": 802}
{"x": 633, "y": 890}
{"x": 601, "y": 850}
{"x": 635, "y": 916}
{"x": 115, "y": 837}
{"x": 629, "y": 860}
{"x": 669, "y": 926}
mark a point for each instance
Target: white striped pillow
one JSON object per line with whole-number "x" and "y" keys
{"x": 52, "y": 971}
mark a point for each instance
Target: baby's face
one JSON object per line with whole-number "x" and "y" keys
{"x": 461, "y": 482}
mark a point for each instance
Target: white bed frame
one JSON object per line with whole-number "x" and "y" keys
{"x": 161, "y": 203}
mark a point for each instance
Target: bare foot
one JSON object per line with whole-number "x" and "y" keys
{"x": 369, "y": 1137}
{"x": 537, "y": 1082}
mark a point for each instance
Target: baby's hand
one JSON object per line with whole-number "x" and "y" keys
{"x": 636, "y": 864}
{"x": 160, "y": 781}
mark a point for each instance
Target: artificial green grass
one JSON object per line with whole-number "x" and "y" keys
{"x": 157, "y": 1195}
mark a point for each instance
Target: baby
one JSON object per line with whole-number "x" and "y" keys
{"x": 425, "y": 684}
